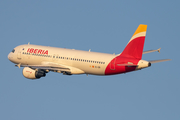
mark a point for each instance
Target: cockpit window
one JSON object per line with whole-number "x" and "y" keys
{"x": 13, "y": 50}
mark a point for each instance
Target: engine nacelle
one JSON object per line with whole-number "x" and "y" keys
{"x": 33, "y": 74}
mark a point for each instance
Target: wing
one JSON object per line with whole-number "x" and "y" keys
{"x": 55, "y": 67}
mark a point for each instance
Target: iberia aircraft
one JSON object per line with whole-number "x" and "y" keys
{"x": 38, "y": 60}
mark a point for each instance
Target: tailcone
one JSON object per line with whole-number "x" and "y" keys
{"x": 149, "y": 64}
{"x": 143, "y": 64}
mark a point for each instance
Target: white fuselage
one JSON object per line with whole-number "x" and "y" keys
{"x": 88, "y": 62}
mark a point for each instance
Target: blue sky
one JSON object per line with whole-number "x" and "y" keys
{"x": 102, "y": 26}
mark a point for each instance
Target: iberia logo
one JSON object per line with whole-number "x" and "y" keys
{"x": 37, "y": 51}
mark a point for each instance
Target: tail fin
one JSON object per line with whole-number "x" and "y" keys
{"x": 134, "y": 48}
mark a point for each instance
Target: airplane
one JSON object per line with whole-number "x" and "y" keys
{"x": 39, "y": 60}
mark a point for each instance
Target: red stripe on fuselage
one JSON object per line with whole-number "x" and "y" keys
{"x": 113, "y": 67}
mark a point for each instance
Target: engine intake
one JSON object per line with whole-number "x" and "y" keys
{"x": 33, "y": 74}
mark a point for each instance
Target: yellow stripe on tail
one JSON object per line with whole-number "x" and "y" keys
{"x": 141, "y": 28}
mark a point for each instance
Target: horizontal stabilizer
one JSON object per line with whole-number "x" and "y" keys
{"x": 149, "y": 51}
{"x": 156, "y": 61}
{"x": 129, "y": 65}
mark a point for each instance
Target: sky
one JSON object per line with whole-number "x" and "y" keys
{"x": 102, "y": 26}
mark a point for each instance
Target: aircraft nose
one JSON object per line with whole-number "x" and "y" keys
{"x": 10, "y": 56}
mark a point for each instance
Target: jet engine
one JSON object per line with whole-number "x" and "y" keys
{"x": 33, "y": 74}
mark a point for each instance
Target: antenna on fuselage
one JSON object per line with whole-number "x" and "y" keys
{"x": 28, "y": 43}
{"x": 89, "y": 50}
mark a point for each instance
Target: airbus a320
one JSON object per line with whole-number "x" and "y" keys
{"x": 39, "y": 60}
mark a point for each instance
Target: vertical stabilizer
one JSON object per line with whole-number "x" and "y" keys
{"x": 134, "y": 48}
